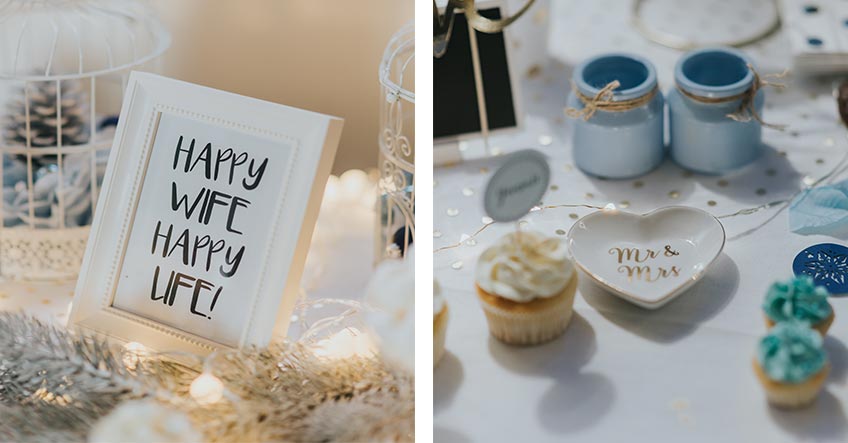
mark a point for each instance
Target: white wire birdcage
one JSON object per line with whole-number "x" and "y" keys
{"x": 63, "y": 67}
{"x": 396, "y": 227}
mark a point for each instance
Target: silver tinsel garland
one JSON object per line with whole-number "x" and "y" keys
{"x": 55, "y": 385}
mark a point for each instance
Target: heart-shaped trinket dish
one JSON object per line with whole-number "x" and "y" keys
{"x": 647, "y": 259}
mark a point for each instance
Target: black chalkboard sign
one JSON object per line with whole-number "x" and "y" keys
{"x": 455, "y": 105}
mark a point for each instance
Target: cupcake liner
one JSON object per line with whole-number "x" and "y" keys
{"x": 440, "y": 327}
{"x": 791, "y": 395}
{"x": 822, "y": 326}
{"x": 522, "y": 325}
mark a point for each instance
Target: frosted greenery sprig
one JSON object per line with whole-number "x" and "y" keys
{"x": 54, "y": 385}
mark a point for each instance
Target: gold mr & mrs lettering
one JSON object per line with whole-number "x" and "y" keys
{"x": 631, "y": 263}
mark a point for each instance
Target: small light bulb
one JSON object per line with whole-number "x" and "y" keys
{"x": 135, "y": 347}
{"x": 331, "y": 191}
{"x": 354, "y": 182}
{"x": 133, "y": 352}
{"x": 348, "y": 342}
{"x": 206, "y": 389}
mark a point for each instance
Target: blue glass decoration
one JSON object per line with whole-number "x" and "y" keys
{"x": 820, "y": 210}
{"x": 827, "y": 264}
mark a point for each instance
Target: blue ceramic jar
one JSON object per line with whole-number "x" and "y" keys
{"x": 618, "y": 143}
{"x": 703, "y": 137}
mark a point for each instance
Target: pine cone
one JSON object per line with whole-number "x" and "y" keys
{"x": 44, "y": 118}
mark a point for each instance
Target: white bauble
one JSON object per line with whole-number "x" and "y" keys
{"x": 144, "y": 421}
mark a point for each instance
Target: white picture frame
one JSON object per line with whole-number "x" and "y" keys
{"x": 275, "y": 225}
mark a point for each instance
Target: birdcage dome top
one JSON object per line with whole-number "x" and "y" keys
{"x": 397, "y": 68}
{"x": 61, "y": 39}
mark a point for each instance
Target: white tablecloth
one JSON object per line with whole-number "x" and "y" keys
{"x": 621, "y": 373}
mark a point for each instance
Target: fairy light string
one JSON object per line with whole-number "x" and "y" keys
{"x": 828, "y": 178}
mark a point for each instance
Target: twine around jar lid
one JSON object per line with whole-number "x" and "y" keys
{"x": 604, "y": 100}
{"x": 746, "y": 111}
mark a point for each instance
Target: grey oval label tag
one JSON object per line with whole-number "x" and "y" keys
{"x": 517, "y": 186}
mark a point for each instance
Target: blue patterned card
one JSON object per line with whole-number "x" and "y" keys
{"x": 827, "y": 264}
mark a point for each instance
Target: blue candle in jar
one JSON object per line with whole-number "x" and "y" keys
{"x": 623, "y": 136}
{"x": 711, "y": 85}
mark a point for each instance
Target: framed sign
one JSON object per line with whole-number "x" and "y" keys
{"x": 204, "y": 218}
{"x": 474, "y": 87}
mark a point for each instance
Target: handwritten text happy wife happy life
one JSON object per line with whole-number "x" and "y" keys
{"x": 208, "y": 206}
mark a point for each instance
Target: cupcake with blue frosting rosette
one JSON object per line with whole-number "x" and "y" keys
{"x": 801, "y": 300}
{"x": 791, "y": 364}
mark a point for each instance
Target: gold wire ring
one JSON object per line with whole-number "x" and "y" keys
{"x": 684, "y": 44}
{"x": 487, "y": 25}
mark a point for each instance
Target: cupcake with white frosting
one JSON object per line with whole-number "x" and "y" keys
{"x": 526, "y": 284}
{"x": 440, "y": 323}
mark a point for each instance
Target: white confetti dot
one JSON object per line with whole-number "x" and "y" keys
{"x": 808, "y": 181}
